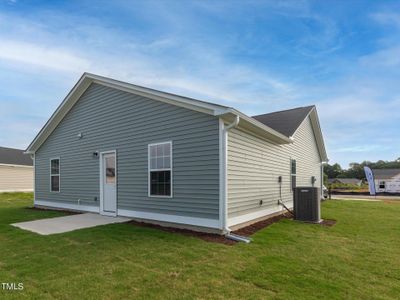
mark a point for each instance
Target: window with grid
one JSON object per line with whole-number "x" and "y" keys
{"x": 160, "y": 169}
{"x": 55, "y": 175}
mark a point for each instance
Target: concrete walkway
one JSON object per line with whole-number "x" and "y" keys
{"x": 68, "y": 223}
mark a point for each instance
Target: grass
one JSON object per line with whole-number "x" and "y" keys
{"x": 358, "y": 258}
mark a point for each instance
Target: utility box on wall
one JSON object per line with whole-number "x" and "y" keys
{"x": 307, "y": 204}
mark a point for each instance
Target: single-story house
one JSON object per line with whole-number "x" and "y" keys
{"x": 16, "y": 171}
{"x": 387, "y": 180}
{"x": 352, "y": 181}
{"x": 120, "y": 149}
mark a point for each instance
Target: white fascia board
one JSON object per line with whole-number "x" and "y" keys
{"x": 312, "y": 114}
{"x": 255, "y": 126}
{"x": 318, "y": 135}
{"x": 68, "y": 102}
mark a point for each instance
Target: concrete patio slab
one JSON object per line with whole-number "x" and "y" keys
{"x": 68, "y": 223}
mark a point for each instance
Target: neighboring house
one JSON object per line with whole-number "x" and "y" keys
{"x": 387, "y": 180}
{"x": 119, "y": 149}
{"x": 352, "y": 181}
{"x": 16, "y": 171}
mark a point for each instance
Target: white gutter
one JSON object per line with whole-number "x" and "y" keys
{"x": 226, "y": 229}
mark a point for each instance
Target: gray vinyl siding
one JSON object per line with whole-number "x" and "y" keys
{"x": 110, "y": 119}
{"x": 254, "y": 166}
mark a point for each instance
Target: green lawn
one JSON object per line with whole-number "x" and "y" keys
{"x": 358, "y": 258}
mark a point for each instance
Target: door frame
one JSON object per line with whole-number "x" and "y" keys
{"x": 102, "y": 212}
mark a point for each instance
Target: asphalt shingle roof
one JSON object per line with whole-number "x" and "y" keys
{"x": 12, "y": 156}
{"x": 385, "y": 173}
{"x": 345, "y": 180}
{"x": 285, "y": 121}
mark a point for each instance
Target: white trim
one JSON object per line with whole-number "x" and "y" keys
{"x": 101, "y": 209}
{"x": 15, "y": 166}
{"x": 59, "y": 174}
{"x": 34, "y": 178}
{"x": 222, "y": 174}
{"x": 255, "y": 215}
{"x": 166, "y": 169}
{"x": 67, "y": 206}
{"x": 203, "y": 222}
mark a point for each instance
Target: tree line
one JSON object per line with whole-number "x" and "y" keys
{"x": 356, "y": 170}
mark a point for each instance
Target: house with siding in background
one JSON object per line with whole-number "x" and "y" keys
{"x": 120, "y": 149}
{"x": 16, "y": 171}
{"x": 387, "y": 180}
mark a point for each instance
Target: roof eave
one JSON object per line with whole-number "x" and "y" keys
{"x": 254, "y": 126}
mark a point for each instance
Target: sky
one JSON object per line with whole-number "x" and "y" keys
{"x": 256, "y": 56}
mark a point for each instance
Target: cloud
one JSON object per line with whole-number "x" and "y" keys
{"x": 41, "y": 56}
{"x": 387, "y": 18}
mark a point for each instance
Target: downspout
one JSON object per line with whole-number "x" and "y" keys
{"x": 226, "y": 229}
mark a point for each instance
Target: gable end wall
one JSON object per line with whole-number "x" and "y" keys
{"x": 110, "y": 119}
{"x": 254, "y": 166}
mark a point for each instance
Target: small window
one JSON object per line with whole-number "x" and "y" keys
{"x": 110, "y": 170}
{"x": 55, "y": 175}
{"x": 160, "y": 169}
{"x": 293, "y": 173}
{"x": 382, "y": 184}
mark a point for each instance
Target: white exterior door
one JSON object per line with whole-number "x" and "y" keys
{"x": 108, "y": 182}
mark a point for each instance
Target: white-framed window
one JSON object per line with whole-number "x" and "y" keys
{"x": 55, "y": 174}
{"x": 160, "y": 169}
{"x": 293, "y": 173}
{"x": 382, "y": 184}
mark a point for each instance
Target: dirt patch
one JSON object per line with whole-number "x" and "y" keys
{"x": 328, "y": 223}
{"x": 67, "y": 212}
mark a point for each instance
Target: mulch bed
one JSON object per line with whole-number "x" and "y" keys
{"x": 209, "y": 237}
{"x": 216, "y": 238}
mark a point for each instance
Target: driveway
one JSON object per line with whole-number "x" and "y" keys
{"x": 68, "y": 223}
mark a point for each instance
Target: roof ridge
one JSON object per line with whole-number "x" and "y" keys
{"x": 284, "y": 110}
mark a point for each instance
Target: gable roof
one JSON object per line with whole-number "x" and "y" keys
{"x": 385, "y": 173}
{"x": 228, "y": 114}
{"x": 288, "y": 121}
{"x": 11, "y": 156}
{"x": 285, "y": 121}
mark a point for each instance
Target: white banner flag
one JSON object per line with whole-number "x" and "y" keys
{"x": 371, "y": 182}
